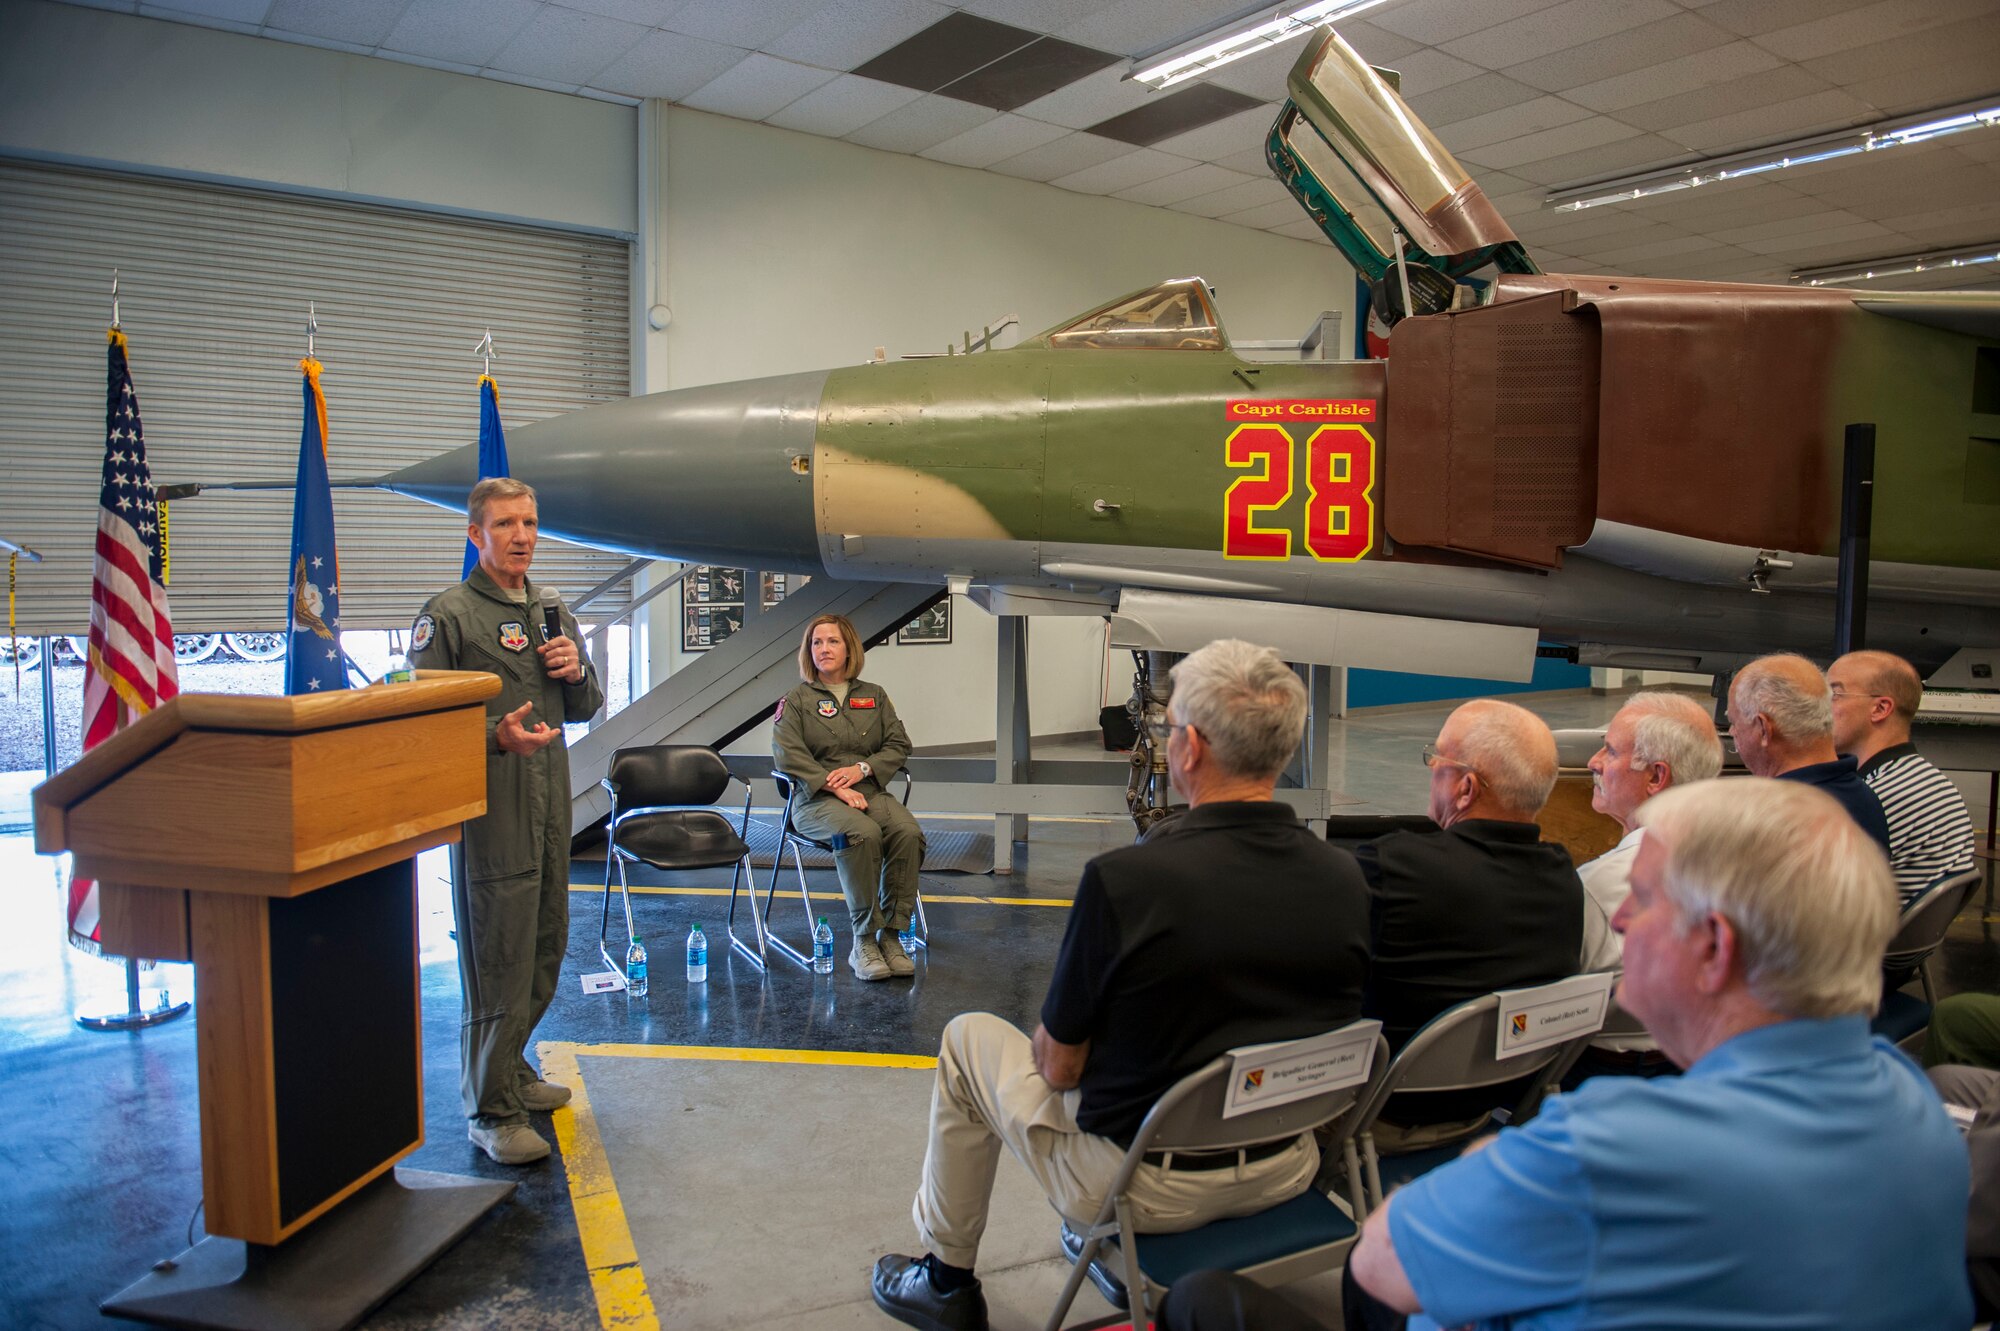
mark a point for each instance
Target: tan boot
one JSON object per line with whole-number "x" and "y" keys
{"x": 867, "y": 960}
{"x": 892, "y": 952}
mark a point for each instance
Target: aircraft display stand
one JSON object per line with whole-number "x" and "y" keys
{"x": 272, "y": 842}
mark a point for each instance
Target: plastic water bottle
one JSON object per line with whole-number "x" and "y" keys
{"x": 400, "y": 670}
{"x": 635, "y": 969}
{"x": 823, "y": 947}
{"x": 697, "y": 956}
{"x": 907, "y": 935}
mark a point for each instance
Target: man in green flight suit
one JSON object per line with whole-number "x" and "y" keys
{"x": 510, "y": 875}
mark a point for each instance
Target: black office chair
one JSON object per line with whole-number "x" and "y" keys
{"x": 790, "y": 837}
{"x": 660, "y": 815}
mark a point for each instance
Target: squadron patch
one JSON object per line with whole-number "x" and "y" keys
{"x": 421, "y": 635}
{"x": 779, "y": 715}
{"x": 863, "y": 703}
{"x": 513, "y": 635}
{"x": 828, "y": 708}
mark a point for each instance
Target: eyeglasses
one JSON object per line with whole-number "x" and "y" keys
{"x": 1432, "y": 758}
{"x": 1161, "y": 731}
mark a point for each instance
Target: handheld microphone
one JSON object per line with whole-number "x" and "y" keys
{"x": 551, "y": 613}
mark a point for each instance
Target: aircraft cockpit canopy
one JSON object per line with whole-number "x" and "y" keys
{"x": 1173, "y": 316}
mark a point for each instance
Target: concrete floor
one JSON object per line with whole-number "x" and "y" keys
{"x": 738, "y": 1151}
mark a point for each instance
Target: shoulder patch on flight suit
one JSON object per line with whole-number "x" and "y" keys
{"x": 861, "y": 702}
{"x": 779, "y": 715}
{"x": 829, "y": 708}
{"x": 513, "y": 635}
{"x": 421, "y": 635}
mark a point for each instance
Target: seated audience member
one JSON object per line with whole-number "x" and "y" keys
{"x": 1656, "y": 741}
{"x": 1481, "y": 904}
{"x": 1781, "y": 717}
{"x": 1875, "y": 697}
{"x": 1965, "y": 1028}
{"x": 1975, "y": 1092}
{"x": 1801, "y": 1173}
{"x": 1234, "y": 926}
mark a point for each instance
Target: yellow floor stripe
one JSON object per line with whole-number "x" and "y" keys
{"x": 616, "y": 1279}
{"x": 792, "y": 895}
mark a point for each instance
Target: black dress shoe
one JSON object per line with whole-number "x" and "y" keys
{"x": 903, "y": 1289}
{"x": 1107, "y": 1282}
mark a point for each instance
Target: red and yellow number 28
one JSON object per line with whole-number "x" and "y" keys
{"x": 1340, "y": 479}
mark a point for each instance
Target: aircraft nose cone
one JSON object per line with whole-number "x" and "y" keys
{"x": 701, "y": 474}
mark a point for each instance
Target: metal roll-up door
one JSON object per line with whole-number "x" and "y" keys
{"x": 215, "y": 283}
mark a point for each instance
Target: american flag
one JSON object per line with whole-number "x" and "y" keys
{"x": 131, "y": 634}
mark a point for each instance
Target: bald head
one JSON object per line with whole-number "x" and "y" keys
{"x": 1510, "y": 751}
{"x": 1781, "y": 714}
{"x": 1875, "y": 700}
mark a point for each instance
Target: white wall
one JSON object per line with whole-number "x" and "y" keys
{"x": 778, "y": 251}
{"x": 84, "y": 85}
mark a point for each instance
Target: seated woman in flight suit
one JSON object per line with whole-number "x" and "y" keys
{"x": 838, "y": 736}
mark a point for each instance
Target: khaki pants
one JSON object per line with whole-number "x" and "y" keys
{"x": 988, "y": 1095}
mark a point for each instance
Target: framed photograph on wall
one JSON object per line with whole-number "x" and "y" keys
{"x": 933, "y": 625}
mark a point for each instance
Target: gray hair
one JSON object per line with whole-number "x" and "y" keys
{"x": 1247, "y": 703}
{"x": 1513, "y": 752}
{"x": 1808, "y": 892}
{"x": 492, "y": 488}
{"x": 1674, "y": 729}
{"x": 1800, "y": 712}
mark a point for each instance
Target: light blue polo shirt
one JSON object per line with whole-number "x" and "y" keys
{"x": 1802, "y": 1175}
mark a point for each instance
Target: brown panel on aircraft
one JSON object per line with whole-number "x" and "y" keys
{"x": 1493, "y": 416}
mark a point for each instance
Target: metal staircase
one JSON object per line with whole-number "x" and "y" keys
{"x": 736, "y": 685}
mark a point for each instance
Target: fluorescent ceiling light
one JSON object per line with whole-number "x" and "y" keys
{"x": 1802, "y": 152}
{"x": 1258, "y": 31}
{"x": 1840, "y": 275}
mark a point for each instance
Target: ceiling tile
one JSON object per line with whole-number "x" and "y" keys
{"x": 667, "y": 64}
{"x": 1878, "y": 22}
{"x": 1617, "y": 157}
{"x": 843, "y": 105}
{"x": 949, "y": 49}
{"x": 1435, "y": 22}
{"x": 1060, "y": 157}
{"x": 1224, "y": 138}
{"x": 1251, "y": 162}
{"x": 1813, "y": 114}
{"x": 1265, "y": 215}
{"x": 565, "y": 46}
{"x": 1912, "y": 53}
{"x": 1469, "y": 98}
{"x": 757, "y": 86}
{"x": 1853, "y": 233}
{"x": 1754, "y": 17}
{"x": 1001, "y": 137}
{"x": 465, "y": 32}
{"x": 1636, "y": 49}
{"x": 1037, "y": 15}
{"x": 1768, "y": 88}
{"x": 1261, "y": 75}
{"x": 1131, "y": 26}
{"x": 1174, "y": 113}
{"x": 1034, "y": 71}
{"x": 1785, "y": 227}
{"x": 1234, "y": 199}
{"x": 1543, "y": 113}
{"x": 1556, "y": 28}
{"x": 1204, "y": 179}
{"x": 1377, "y": 45}
{"x": 236, "y": 13}
{"x": 1975, "y": 76}
{"x": 364, "y": 21}
{"x": 1088, "y": 100}
{"x": 1303, "y": 229}
{"x": 733, "y": 23}
{"x": 844, "y": 33}
{"x": 1686, "y": 74}
{"x": 645, "y": 13}
{"x": 918, "y": 125}
{"x": 1427, "y": 70}
{"x": 1122, "y": 172}
{"x": 1641, "y": 258}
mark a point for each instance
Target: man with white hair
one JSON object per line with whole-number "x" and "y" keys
{"x": 1781, "y": 717}
{"x": 1236, "y": 927}
{"x": 1481, "y": 904}
{"x": 1802, "y": 1173}
{"x": 1875, "y": 698}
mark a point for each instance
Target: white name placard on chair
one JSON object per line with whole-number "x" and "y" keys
{"x": 1532, "y": 1019}
{"x": 1264, "y": 1075}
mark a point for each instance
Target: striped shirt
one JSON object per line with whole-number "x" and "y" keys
{"x": 1930, "y": 832}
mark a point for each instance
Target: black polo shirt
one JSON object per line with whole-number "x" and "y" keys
{"x": 1235, "y": 926}
{"x": 1841, "y": 779}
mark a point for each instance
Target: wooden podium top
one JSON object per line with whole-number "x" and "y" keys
{"x": 271, "y": 785}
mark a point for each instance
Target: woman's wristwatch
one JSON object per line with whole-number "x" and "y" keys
{"x": 866, "y": 770}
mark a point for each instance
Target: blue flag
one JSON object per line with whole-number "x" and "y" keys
{"x": 313, "y": 662}
{"x": 492, "y": 451}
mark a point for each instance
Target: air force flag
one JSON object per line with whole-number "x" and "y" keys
{"x": 313, "y": 661}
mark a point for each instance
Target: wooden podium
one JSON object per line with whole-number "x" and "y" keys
{"x": 271, "y": 841}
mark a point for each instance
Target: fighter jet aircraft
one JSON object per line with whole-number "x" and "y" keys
{"x": 1645, "y": 472}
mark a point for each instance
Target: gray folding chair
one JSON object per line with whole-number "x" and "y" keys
{"x": 793, "y": 792}
{"x": 1455, "y": 1052}
{"x": 1924, "y": 923}
{"x": 1312, "y": 1232}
